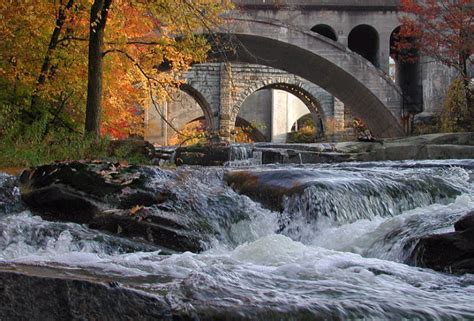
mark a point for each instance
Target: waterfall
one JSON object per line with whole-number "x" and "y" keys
{"x": 365, "y": 194}
{"x": 243, "y": 155}
{"x": 337, "y": 251}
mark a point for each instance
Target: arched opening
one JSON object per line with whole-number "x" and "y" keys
{"x": 305, "y": 120}
{"x": 407, "y": 72}
{"x": 255, "y": 114}
{"x": 326, "y": 31}
{"x": 273, "y": 110}
{"x": 246, "y": 132}
{"x": 182, "y": 117}
{"x": 303, "y": 130}
{"x": 191, "y": 133}
{"x": 364, "y": 40}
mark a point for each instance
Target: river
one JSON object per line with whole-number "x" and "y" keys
{"x": 337, "y": 251}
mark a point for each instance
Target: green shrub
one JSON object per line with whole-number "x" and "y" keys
{"x": 306, "y": 134}
{"x": 31, "y": 147}
{"x": 456, "y": 116}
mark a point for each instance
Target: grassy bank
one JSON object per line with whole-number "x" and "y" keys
{"x": 30, "y": 149}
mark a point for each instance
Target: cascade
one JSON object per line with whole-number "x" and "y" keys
{"x": 337, "y": 250}
{"x": 243, "y": 155}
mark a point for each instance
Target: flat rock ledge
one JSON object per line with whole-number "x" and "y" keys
{"x": 34, "y": 293}
{"x": 431, "y": 146}
{"x": 449, "y": 252}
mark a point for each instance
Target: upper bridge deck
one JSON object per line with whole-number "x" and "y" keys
{"x": 345, "y": 5}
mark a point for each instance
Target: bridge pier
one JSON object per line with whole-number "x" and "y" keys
{"x": 226, "y": 124}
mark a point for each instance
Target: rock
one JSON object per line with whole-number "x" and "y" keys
{"x": 167, "y": 234}
{"x": 450, "y": 252}
{"x": 95, "y": 179}
{"x": 266, "y": 187}
{"x": 61, "y": 203}
{"x": 46, "y": 296}
{"x": 141, "y": 198}
{"x": 208, "y": 155}
{"x": 9, "y": 194}
{"x": 108, "y": 197}
{"x": 431, "y": 146}
{"x": 465, "y": 223}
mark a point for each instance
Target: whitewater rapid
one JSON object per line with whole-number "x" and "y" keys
{"x": 340, "y": 253}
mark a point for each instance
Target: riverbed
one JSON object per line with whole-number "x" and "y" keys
{"x": 338, "y": 250}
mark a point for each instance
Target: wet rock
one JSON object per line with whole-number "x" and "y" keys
{"x": 153, "y": 229}
{"x": 108, "y": 197}
{"x": 208, "y": 155}
{"x": 432, "y": 146}
{"x": 61, "y": 203}
{"x": 267, "y": 187}
{"x": 449, "y": 252}
{"x": 9, "y": 194}
{"x": 465, "y": 223}
{"x": 142, "y": 198}
{"x": 48, "y": 297}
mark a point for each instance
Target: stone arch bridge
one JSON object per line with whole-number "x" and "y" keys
{"x": 208, "y": 84}
{"x": 367, "y": 90}
{"x": 260, "y": 51}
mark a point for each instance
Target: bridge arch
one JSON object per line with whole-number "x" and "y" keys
{"x": 369, "y": 93}
{"x": 254, "y": 133}
{"x": 325, "y": 30}
{"x": 296, "y": 88}
{"x": 203, "y": 102}
{"x": 364, "y": 40}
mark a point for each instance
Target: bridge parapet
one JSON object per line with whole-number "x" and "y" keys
{"x": 322, "y": 4}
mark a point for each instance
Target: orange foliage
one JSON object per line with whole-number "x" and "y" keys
{"x": 243, "y": 134}
{"x": 140, "y": 40}
{"x": 193, "y": 133}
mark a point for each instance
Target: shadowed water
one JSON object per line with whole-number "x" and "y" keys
{"x": 337, "y": 250}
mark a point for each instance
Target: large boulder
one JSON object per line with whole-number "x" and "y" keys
{"x": 110, "y": 197}
{"x": 39, "y": 294}
{"x": 267, "y": 187}
{"x": 449, "y": 252}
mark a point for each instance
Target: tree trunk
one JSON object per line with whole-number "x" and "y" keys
{"x": 98, "y": 20}
{"x": 464, "y": 57}
{"x": 53, "y": 42}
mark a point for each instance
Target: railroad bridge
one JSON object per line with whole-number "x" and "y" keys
{"x": 333, "y": 56}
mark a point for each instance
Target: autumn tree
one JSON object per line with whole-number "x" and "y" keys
{"x": 158, "y": 38}
{"x": 442, "y": 30}
{"x": 98, "y": 19}
{"x": 54, "y": 41}
{"x": 40, "y": 71}
{"x": 143, "y": 48}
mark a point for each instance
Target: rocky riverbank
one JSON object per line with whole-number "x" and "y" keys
{"x": 433, "y": 146}
{"x": 336, "y": 229}
{"x": 117, "y": 198}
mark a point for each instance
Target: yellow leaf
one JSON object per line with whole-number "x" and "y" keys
{"x": 134, "y": 210}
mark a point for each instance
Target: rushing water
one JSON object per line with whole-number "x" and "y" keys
{"x": 337, "y": 250}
